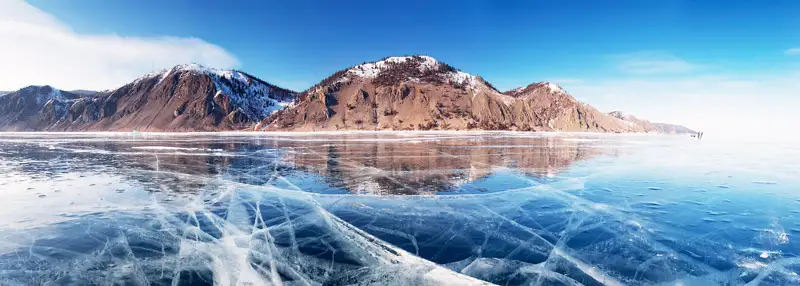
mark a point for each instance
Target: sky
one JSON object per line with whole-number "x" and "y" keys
{"x": 725, "y": 67}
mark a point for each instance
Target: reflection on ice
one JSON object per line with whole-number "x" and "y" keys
{"x": 424, "y": 209}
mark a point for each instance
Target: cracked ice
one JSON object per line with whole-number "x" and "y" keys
{"x": 394, "y": 209}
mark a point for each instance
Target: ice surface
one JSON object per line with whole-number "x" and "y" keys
{"x": 370, "y": 208}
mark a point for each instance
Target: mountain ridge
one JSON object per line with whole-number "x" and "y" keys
{"x": 184, "y": 98}
{"x": 395, "y": 93}
{"x": 421, "y": 93}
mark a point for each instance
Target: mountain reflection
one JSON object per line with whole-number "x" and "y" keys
{"x": 364, "y": 164}
{"x": 435, "y": 165}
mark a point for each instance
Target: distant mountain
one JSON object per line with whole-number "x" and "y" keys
{"x": 4, "y": 92}
{"x": 184, "y": 98}
{"x": 547, "y": 105}
{"x": 651, "y": 126}
{"x": 421, "y": 93}
{"x": 672, "y": 128}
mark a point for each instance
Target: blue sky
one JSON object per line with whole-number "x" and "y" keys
{"x": 662, "y": 60}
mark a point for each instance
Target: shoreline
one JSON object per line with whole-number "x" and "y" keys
{"x": 348, "y": 132}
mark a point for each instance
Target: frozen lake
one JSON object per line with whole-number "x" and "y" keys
{"x": 397, "y": 209}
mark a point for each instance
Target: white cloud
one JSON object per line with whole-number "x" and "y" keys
{"x": 38, "y": 49}
{"x": 730, "y": 106}
{"x": 792, "y": 51}
{"x": 652, "y": 63}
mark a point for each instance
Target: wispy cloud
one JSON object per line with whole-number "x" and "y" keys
{"x": 792, "y": 51}
{"x": 38, "y": 49}
{"x": 652, "y": 63}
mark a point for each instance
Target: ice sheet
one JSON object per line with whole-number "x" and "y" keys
{"x": 449, "y": 209}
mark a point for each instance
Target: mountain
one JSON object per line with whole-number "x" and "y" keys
{"x": 652, "y": 127}
{"x": 34, "y": 108}
{"x": 184, "y": 98}
{"x": 395, "y": 93}
{"x": 672, "y": 128}
{"x": 4, "y": 92}
{"x": 545, "y": 104}
{"x": 421, "y": 93}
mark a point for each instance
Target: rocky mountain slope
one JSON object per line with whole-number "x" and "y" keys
{"x": 397, "y": 93}
{"x": 34, "y": 108}
{"x": 421, "y": 93}
{"x": 547, "y": 105}
{"x": 184, "y": 98}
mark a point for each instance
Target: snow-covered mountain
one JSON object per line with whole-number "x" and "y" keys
{"x": 544, "y": 86}
{"x": 183, "y": 98}
{"x": 254, "y": 97}
{"x": 414, "y": 69}
{"x": 421, "y": 93}
{"x": 394, "y": 93}
{"x": 34, "y": 107}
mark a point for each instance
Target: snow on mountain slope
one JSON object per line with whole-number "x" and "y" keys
{"x": 421, "y": 93}
{"x": 413, "y": 69}
{"x": 254, "y": 97}
{"x": 34, "y": 107}
{"x": 544, "y": 86}
{"x": 47, "y": 95}
{"x": 183, "y": 98}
